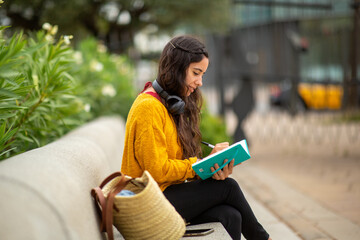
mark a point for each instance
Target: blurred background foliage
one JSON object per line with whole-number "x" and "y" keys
{"x": 116, "y": 22}
{"x": 105, "y": 79}
{"x": 213, "y": 130}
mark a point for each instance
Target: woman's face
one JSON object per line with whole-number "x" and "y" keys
{"x": 194, "y": 75}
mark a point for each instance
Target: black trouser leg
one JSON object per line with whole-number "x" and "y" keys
{"x": 195, "y": 198}
{"x": 229, "y": 217}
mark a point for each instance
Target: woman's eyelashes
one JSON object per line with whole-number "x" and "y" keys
{"x": 198, "y": 73}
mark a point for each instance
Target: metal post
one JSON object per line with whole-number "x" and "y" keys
{"x": 220, "y": 78}
{"x": 353, "y": 86}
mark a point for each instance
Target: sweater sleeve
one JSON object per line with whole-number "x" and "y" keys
{"x": 151, "y": 152}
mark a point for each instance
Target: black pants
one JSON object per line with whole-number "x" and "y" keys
{"x": 210, "y": 200}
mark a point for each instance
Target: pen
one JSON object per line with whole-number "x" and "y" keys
{"x": 208, "y": 144}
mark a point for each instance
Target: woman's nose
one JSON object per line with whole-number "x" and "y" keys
{"x": 199, "y": 82}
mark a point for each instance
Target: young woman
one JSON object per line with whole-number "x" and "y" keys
{"x": 163, "y": 137}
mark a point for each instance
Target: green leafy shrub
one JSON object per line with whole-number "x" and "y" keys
{"x": 47, "y": 88}
{"x": 213, "y": 130}
{"x": 36, "y": 92}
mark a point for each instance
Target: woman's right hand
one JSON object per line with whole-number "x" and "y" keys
{"x": 219, "y": 147}
{"x": 223, "y": 173}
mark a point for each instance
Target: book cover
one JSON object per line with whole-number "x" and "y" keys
{"x": 238, "y": 151}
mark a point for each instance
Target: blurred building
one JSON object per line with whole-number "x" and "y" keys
{"x": 286, "y": 43}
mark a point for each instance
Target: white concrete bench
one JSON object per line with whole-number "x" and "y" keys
{"x": 45, "y": 192}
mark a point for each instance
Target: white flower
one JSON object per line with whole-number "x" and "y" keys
{"x": 87, "y": 107}
{"x": 108, "y": 90}
{"x": 78, "y": 57}
{"x": 67, "y": 39}
{"x": 53, "y": 30}
{"x": 47, "y": 26}
{"x": 49, "y": 38}
{"x": 96, "y": 66}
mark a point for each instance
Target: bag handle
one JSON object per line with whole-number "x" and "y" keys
{"x": 107, "y": 204}
{"x": 109, "y": 178}
{"x": 110, "y": 205}
{"x": 100, "y": 203}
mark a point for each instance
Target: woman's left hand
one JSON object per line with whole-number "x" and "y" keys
{"x": 225, "y": 172}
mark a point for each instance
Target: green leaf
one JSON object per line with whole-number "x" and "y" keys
{"x": 7, "y": 93}
{"x": 3, "y": 27}
{"x": 6, "y": 135}
{"x": 5, "y": 72}
{"x": 67, "y": 75}
{"x": 2, "y": 129}
{"x": 25, "y": 138}
{"x": 7, "y": 115}
{"x": 4, "y": 152}
{"x": 36, "y": 141}
{"x": 12, "y": 107}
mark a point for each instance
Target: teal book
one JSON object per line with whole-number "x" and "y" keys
{"x": 238, "y": 151}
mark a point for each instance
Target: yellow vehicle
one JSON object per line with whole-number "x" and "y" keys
{"x": 310, "y": 96}
{"x": 321, "y": 96}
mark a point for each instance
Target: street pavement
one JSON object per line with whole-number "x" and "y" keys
{"x": 303, "y": 180}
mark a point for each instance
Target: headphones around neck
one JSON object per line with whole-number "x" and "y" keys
{"x": 174, "y": 104}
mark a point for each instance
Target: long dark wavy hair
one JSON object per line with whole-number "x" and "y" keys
{"x": 175, "y": 59}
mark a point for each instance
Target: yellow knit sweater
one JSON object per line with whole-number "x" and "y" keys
{"x": 151, "y": 143}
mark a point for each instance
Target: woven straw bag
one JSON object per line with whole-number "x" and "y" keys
{"x": 145, "y": 215}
